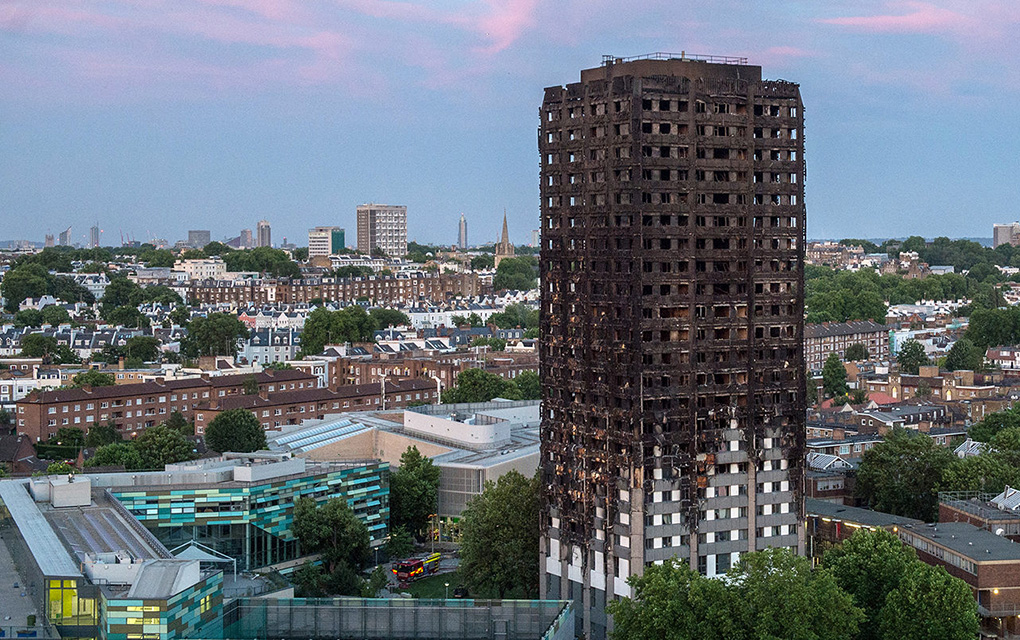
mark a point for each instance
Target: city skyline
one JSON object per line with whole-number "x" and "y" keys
{"x": 227, "y": 113}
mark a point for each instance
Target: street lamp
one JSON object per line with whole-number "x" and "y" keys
{"x": 447, "y": 585}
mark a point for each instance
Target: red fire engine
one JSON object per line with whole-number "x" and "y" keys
{"x": 414, "y": 568}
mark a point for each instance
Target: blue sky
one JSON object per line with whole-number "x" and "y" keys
{"x": 156, "y": 116}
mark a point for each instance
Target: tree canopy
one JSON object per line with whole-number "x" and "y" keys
{"x": 911, "y": 357}
{"x": 856, "y": 352}
{"x": 93, "y": 378}
{"x": 901, "y": 475}
{"x": 414, "y": 488}
{"x": 214, "y": 335}
{"x": 39, "y": 345}
{"x": 476, "y": 385}
{"x": 161, "y": 445}
{"x": 499, "y": 550}
{"x": 324, "y": 327}
{"x": 834, "y": 377}
{"x": 236, "y": 430}
{"x": 342, "y": 540}
{"x": 33, "y": 280}
{"x": 964, "y": 354}
{"x": 516, "y": 315}
{"x": 516, "y": 273}
{"x": 767, "y": 594}
{"x": 389, "y": 318}
{"x": 266, "y": 260}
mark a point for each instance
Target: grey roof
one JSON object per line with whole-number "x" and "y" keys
{"x": 1009, "y": 499}
{"x": 974, "y": 543}
{"x": 51, "y": 556}
{"x": 160, "y": 579}
{"x": 842, "y": 329}
{"x": 857, "y": 515}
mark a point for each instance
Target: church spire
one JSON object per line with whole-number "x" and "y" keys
{"x": 505, "y": 239}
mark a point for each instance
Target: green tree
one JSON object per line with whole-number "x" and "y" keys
{"x": 102, "y": 433}
{"x": 529, "y": 386}
{"x": 989, "y": 472}
{"x": 834, "y": 376}
{"x": 496, "y": 344}
{"x": 929, "y": 603}
{"x": 55, "y": 315}
{"x": 121, "y": 292}
{"x": 401, "y": 542}
{"x": 414, "y": 489}
{"x": 38, "y": 345}
{"x": 993, "y": 423}
{"x": 160, "y": 294}
{"x": 124, "y": 316}
{"x": 218, "y": 249}
{"x": 856, "y": 352}
{"x": 333, "y": 531}
{"x": 93, "y": 378}
{"x": 28, "y": 281}
{"x": 59, "y": 469}
{"x": 215, "y": 335}
{"x": 483, "y": 262}
{"x": 178, "y": 422}
{"x": 160, "y": 445}
{"x": 180, "y": 316}
{"x": 250, "y": 385}
{"x": 965, "y": 355}
{"x": 901, "y": 475}
{"x": 158, "y": 258}
{"x": 323, "y": 327}
{"x": 911, "y": 357}
{"x": 869, "y": 566}
{"x": 516, "y": 273}
{"x": 145, "y": 348}
{"x": 28, "y": 318}
{"x": 475, "y": 385}
{"x": 389, "y": 318}
{"x": 499, "y": 548}
{"x": 235, "y": 430}
{"x": 517, "y": 315}
{"x": 300, "y": 254}
{"x": 672, "y": 602}
{"x": 117, "y": 454}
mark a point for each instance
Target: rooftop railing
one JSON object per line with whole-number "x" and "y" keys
{"x": 683, "y": 55}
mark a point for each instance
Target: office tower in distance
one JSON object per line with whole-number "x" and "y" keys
{"x": 48, "y": 240}
{"x": 672, "y": 314}
{"x": 462, "y": 233}
{"x": 383, "y": 227}
{"x": 64, "y": 239}
{"x": 504, "y": 248}
{"x": 94, "y": 233}
{"x": 199, "y": 238}
{"x": 263, "y": 234}
{"x": 1006, "y": 234}
{"x": 325, "y": 241}
{"x": 246, "y": 240}
{"x": 535, "y": 237}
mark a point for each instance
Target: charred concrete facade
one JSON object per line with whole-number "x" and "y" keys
{"x": 673, "y": 233}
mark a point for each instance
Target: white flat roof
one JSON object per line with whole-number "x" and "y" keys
{"x": 51, "y": 556}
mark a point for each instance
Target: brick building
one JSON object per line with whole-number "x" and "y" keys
{"x": 135, "y": 407}
{"x": 275, "y": 410}
{"x": 834, "y": 337}
{"x": 401, "y": 288}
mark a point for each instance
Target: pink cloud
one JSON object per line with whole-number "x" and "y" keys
{"x": 921, "y": 17}
{"x": 505, "y": 22}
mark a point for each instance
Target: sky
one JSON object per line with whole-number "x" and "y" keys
{"x": 153, "y": 117}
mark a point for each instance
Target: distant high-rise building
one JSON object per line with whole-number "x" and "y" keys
{"x": 263, "y": 234}
{"x": 246, "y": 241}
{"x": 49, "y": 240}
{"x": 325, "y": 241}
{"x": 536, "y": 237}
{"x": 672, "y": 318}
{"x": 1006, "y": 234}
{"x": 462, "y": 233}
{"x": 64, "y": 239}
{"x": 384, "y": 227}
{"x": 199, "y": 238}
{"x": 94, "y": 233}
{"x": 504, "y": 248}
